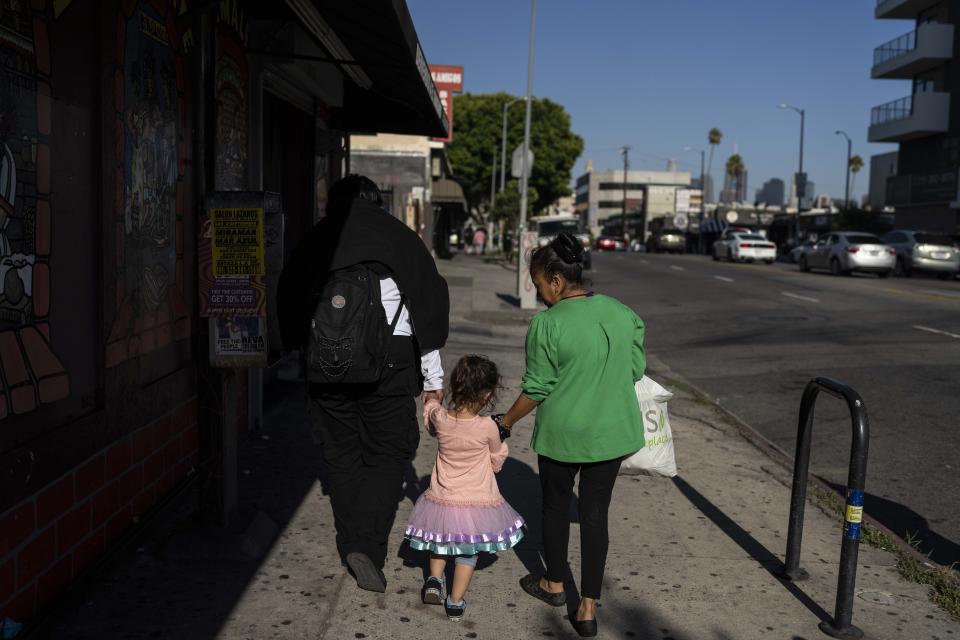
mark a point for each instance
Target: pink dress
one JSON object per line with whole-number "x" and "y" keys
{"x": 463, "y": 512}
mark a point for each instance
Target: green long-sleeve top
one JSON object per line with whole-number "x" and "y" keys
{"x": 583, "y": 357}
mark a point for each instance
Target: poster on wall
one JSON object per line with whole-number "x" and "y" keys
{"x": 237, "y": 242}
{"x": 238, "y": 341}
{"x": 233, "y": 257}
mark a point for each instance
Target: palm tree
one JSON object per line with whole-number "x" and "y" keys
{"x": 714, "y": 136}
{"x": 856, "y": 163}
{"x": 735, "y": 169}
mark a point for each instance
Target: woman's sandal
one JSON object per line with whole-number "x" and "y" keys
{"x": 584, "y": 628}
{"x": 531, "y": 584}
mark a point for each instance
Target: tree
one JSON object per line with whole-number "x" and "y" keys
{"x": 714, "y": 136}
{"x": 856, "y": 164}
{"x": 506, "y": 207}
{"x": 735, "y": 169}
{"x": 477, "y": 136}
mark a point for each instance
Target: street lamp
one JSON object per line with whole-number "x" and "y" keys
{"x": 846, "y": 192}
{"x": 703, "y": 197}
{"x": 800, "y": 195}
{"x": 503, "y": 143}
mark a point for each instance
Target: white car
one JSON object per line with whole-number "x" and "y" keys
{"x": 745, "y": 247}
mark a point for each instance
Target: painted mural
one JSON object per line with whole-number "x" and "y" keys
{"x": 151, "y": 126}
{"x": 232, "y": 88}
{"x": 31, "y": 374}
{"x": 150, "y": 158}
{"x": 18, "y": 140}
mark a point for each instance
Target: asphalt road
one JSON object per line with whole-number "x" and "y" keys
{"x": 752, "y": 336}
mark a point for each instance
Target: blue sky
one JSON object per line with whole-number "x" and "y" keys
{"x": 657, "y": 74}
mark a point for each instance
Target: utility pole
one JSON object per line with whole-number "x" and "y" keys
{"x": 493, "y": 178}
{"x": 703, "y": 203}
{"x": 703, "y": 195}
{"x": 625, "y": 151}
{"x": 846, "y": 190}
{"x": 525, "y": 289}
{"x": 801, "y": 192}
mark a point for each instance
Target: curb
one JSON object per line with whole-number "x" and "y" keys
{"x": 781, "y": 457}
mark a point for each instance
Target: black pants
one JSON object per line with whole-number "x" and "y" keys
{"x": 369, "y": 436}
{"x": 595, "y": 490}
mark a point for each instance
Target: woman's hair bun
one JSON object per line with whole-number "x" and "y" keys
{"x": 568, "y": 247}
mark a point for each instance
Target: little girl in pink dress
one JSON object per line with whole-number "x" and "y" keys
{"x": 463, "y": 513}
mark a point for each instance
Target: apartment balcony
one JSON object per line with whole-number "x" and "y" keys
{"x": 926, "y": 47}
{"x": 901, "y": 9}
{"x": 916, "y": 116}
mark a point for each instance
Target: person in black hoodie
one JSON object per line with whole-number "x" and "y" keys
{"x": 369, "y": 432}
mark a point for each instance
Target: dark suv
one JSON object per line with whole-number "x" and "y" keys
{"x": 667, "y": 240}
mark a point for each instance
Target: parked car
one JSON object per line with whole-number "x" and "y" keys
{"x": 800, "y": 249}
{"x": 667, "y": 240}
{"x": 611, "y": 243}
{"x": 843, "y": 252}
{"x": 744, "y": 247}
{"x": 549, "y": 227}
{"x": 922, "y": 251}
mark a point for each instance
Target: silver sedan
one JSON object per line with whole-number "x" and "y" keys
{"x": 843, "y": 252}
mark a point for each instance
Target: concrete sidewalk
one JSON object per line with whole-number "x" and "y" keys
{"x": 690, "y": 558}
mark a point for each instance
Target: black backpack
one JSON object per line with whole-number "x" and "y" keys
{"x": 349, "y": 339}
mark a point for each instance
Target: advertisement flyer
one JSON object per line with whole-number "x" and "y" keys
{"x": 239, "y": 341}
{"x": 233, "y": 256}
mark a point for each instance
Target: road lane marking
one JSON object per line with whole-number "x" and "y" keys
{"x": 798, "y": 297}
{"x": 936, "y": 331}
{"x": 724, "y": 278}
{"x": 676, "y": 268}
{"x": 945, "y": 294}
{"x": 925, "y": 296}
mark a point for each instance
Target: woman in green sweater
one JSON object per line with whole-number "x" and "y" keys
{"x": 584, "y": 354}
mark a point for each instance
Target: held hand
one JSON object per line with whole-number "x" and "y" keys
{"x": 432, "y": 395}
{"x": 504, "y": 431}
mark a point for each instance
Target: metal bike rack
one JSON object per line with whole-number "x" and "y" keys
{"x": 841, "y": 626}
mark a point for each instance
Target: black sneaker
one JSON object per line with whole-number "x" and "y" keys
{"x": 454, "y": 611}
{"x": 367, "y": 574}
{"x": 433, "y": 591}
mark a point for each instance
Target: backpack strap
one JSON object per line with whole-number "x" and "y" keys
{"x": 396, "y": 316}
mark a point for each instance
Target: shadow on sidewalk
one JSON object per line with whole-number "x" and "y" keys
{"x": 907, "y": 523}
{"x": 509, "y": 299}
{"x": 748, "y": 543}
{"x": 188, "y": 575}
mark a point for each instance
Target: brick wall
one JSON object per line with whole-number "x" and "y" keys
{"x": 50, "y": 538}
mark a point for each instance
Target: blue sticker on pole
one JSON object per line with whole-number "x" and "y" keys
{"x": 853, "y": 516}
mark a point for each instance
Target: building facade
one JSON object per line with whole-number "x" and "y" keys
{"x": 734, "y": 188}
{"x": 926, "y": 122}
{"x": 600, "y": 194}
{"x": 771, "y": 193}
{"x": 883, "y": 166}
{"x": 120, "y": 121}
{"x": 706, "y": 188}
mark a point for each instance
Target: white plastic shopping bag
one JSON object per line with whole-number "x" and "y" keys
{"x": 656, "y": 458}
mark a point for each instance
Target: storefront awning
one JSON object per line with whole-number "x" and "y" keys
{"x": 447, "y": 191}
{"x": 389, "y": 88}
